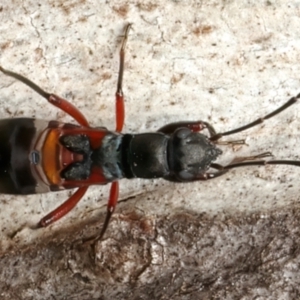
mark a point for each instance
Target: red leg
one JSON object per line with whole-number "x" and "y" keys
{"x": 63, "y": 209}
{"x": 112, "y": 202}
{"x": 195, "y": 126}
{"x": 120, "y": 116}
{"x": 68, "y": 108}
{"x": 120, "y": 109}
{"x": 61, "y": 103}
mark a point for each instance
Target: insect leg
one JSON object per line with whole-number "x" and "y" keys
{"x": 63, "y": 209}
{"x": 112, "y": 202}
{"x": 195, "y": 126}
{"x": 120, "y": 110}
{"x": 120, "y": 115}
{"x": 55, "y": 100}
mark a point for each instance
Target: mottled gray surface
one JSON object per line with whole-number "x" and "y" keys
{"x": 179, "y": 256}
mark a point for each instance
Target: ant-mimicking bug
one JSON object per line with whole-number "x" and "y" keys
{"x": 38, "y": 156}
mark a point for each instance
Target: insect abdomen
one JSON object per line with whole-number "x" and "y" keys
{"x": 16, "y": 136}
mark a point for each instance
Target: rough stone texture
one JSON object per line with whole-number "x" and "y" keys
{"x": 179, "y": 256}
{"x": 236, "y": 237}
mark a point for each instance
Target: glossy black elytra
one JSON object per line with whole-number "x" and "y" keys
{"x": 38, "y": 156}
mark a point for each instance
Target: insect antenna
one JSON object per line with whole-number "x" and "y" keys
{"x": 262, "y": 163}
{"x": 290, "y": 102}
{"x": 26, "y": 81}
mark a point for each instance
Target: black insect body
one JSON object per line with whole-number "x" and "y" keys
{"x": 38, "y": 156}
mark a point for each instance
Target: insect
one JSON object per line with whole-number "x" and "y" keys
{"x": 37, "y": 156}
